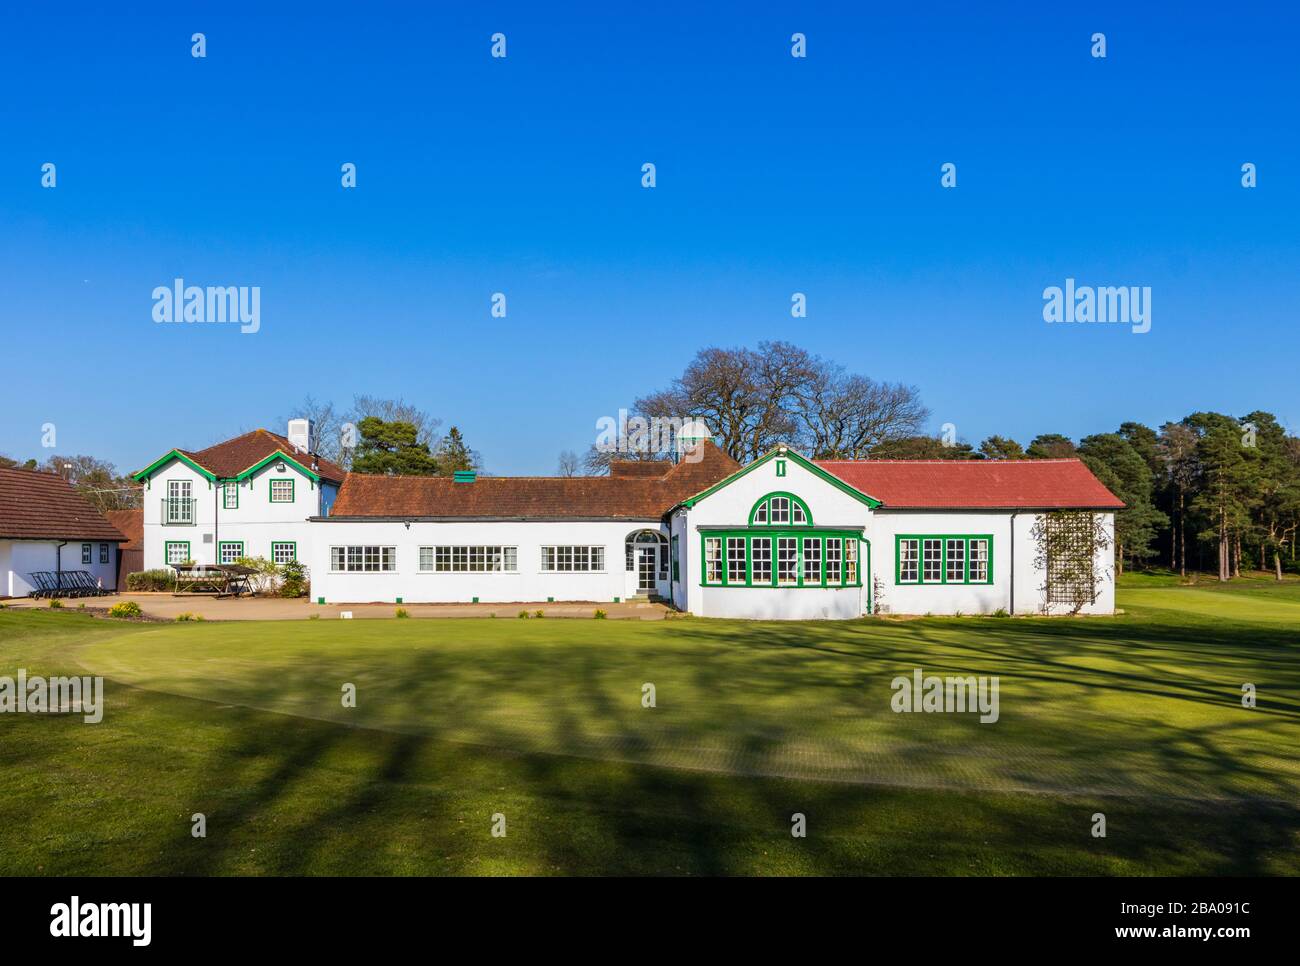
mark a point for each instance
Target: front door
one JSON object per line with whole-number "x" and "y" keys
{"x": 647, "y": 568}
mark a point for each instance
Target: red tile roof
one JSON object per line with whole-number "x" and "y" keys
{"x": 532, "y": 497}
{"x": 232, "y": 457}
{"x": 131, "y": 523}
{"x": 976, "y": 484}
{"x": 44, "y": 506}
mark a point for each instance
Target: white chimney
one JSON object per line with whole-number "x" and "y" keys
{"x": 300, "y": 434}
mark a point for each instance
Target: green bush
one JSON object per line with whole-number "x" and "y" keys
{"x": 600, "y": 615}
{"x": 187, "y": 616}
{"x": 523, "y": 615}
{"x": 539, "y": 613}
{"x": 162, "y": 579}
{"x": 124, "y": 610}
{"x": 293, "y": 580}
{"x": 401, "y": 612}
{"x": 1001, "y": 612}
{"x": 56, "y": 603}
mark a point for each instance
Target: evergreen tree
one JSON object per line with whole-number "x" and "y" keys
{"x": 392, "y": 449}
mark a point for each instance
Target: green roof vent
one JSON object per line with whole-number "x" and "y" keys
{"x": 464, "y": 476}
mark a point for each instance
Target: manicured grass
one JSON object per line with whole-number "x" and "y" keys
{"x": 1138, "y": 717}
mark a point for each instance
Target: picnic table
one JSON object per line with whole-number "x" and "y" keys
{"x": 223, "y": 580}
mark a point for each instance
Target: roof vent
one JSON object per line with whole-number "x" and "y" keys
{"x": 464, "y": 476}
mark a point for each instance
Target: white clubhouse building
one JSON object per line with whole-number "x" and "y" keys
{"x": 784, "y": 537}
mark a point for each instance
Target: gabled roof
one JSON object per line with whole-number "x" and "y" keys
{"x": 785, "y": 452}
{"x": 242, "y": 456}
{"x": 131, "y": 523}
{"x": 1058, "y": 484}
{"x": 531, "y": 497}
{"x": 44, "y": 506}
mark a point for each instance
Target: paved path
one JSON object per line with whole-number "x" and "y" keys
{"x": 168, "y": 607}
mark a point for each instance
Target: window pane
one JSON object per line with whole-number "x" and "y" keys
{"x": 735, "y": 560}
{"x": 797, "y": 514}
{"x": 908, "y": 560}
{"x": 979, "y": 561}
{"x": 955, "y": 566}
{"x": 931, "y": 560}
{"x": 834, "y": 553}
{"x": 812, "y": 560}
{"x": 787, "y": 561}
{"x": 761, "y": 554}
{"x": 851, "y": 560}
{"x": 780, "y": 509}
{"x": 713, "y": 560}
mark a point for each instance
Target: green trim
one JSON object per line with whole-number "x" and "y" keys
{"x": 806, "y": 463}
{"x": 173, "y": 455}
{"x": 175, "y": 543}
{"x": 292, "y": 543}
{"x": 399, "y": 600}
{"x": 277, "y": 455}
{"x": 229, "y": 486}
{"x": 943, "y": 539}
{"x": 774, "y": 534}
{"x": 87, "y": 554}
{"x": 320, "y": 600}
{"x": 672, "y": 550}
{"x": 270, "y": 488}
{"x": 222, "y": 544}
{"x": 780, "y": 467}
{"x": 807, "y": 514}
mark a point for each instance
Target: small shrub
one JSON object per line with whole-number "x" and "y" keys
{"x": 539, "y": 613}
{"x": 81, "y": 606}
{"x": 144, "y": 580}
{"x": 1001, "y": 612}
{"x": 523, "y": 615}
{"x": 313, "y": 617}
{"x": 600, "y": 615}
{"x": 56, "y": 603}
{"x": 293, "y": 580}
{"x": 187, "y": 616}
{"x": 124, "y": 610}
{"x": 401, "y": 612}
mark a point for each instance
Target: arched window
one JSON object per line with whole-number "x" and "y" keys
{"x": 780, "y": 510}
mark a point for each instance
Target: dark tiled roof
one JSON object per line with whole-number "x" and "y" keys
{"x": 627, "y": 469}
{"x": 232, "y": 457}
{"x": 976, "y": 484}
{"x": 44, "y": 506}
{"x": 131, "y": 523}
{"x": 532, "y": 497}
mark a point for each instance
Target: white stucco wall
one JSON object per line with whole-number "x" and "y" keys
{"x": 529, "y": 584}
{"x": 829, "y": 507}
{"x": 897, "y": 598}
{"x": 19, "y": 558}
{"x": 257, "y": 522}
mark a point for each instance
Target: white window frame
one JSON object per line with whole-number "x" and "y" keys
{"x": 363, "y": 559}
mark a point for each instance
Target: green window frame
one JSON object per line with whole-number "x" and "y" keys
{"x": 293, "y": 551}
{"x": 167, "y": 552}
{"x": 103, "y": 553}
{"x": 943, "y": 558}
{"x": 221, "y": 551}
{"x": 228, "y": 489}
{"x": 782, "y": 558}
{"x": 85, "y": 553}
{"x": 780, "y": 509}
{"x": 780, "y": 467}
{"x": 672, "y": 549}
{"x": 271, "y": 489}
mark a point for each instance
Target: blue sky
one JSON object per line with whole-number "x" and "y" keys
{"x": 775, "y": 175}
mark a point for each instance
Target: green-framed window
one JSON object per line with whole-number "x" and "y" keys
{"x": 780, "y": 467}
{"x": 943, "y": 558}
{"x": 762, "y": 557}
{"x": 672, "y": 549}
{"x": 228, "y": 551}
{"x": 283, "y": 551}
{"x": 780, "y": 509}
{"x": 281, "y": 490}
{"x": 85, "y": 553}
{"x": 176, "y": 552}
{"x": 103, "y": 553}
{"x": 230, "y": 496}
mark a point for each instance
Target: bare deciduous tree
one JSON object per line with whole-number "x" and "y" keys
{"x": 568, "y": 465}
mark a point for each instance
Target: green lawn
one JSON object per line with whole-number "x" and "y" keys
{"x": 1138, "y": 717}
